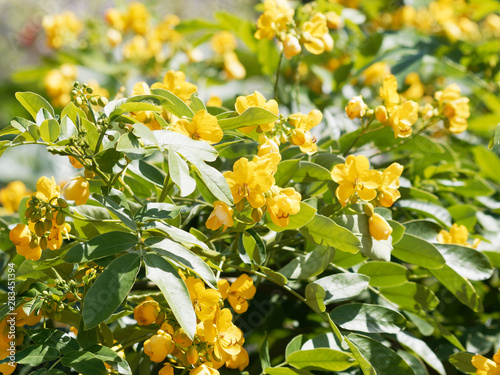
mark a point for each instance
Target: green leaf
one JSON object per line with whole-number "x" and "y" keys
{"x": 129, "y": 144}
{"x": 56, "y": 339}
{"x": 426, "y": 209}
{"x": 196, "y": 103}
{"x": 384, "y": 273}
{"x": 312, "y": 264}
{"x": 110, "y": 289}
{"x": 364, "y": 317}
{"x": 322, "y": 230}
{"x": 459, "y": 286}
{"x": 285, "y": 371}
{"x": 185, "y": 146}
{"x": 214, "y": 181}
{"x": 422, "y": 349}
{"x": 121, "y": 212}
{"x": 315, "y": 295}
{"x": 467, "y": 262}
{"x": 411, "y": 296}
{"x": 180, "y": 254}
{"x": 166, "y": 277}
{"x": 179, "y": 235}
{"x": 487, "y": 161}
{"x": 36, "y": 354}
{"x": 85, "y": 363}
{"x": 343, "y": 286}
{"x": 464, "y": 214}
{"x": 92, "y": 132}
{"x": 175, "y": 104}
{"x": 286, "y": 170}
{"x": 311, "y": 172}
{"x": 111, "y": 358}
{"x": 179, "y": 173}
{"x": 265, "y": 360}
{"x": 260, "y": 255}
{"x": 322, "y": 359}
{"x": 470, "y": 188}
{"x": 304, "y": 216}
{"x": 376, "y": 358}
{"x": 33, "y": 103}
{"x": 414, "y": 250}
{"x": 463, "y": 362}
{"x": 324, "y": 340}
{"x": 398, "y": 231}
{"x": 101, "y": 246}
{"x": 424, "y": 228}
{"x": 157, "y": 211}
{"x": 49, "y": 130}
{"x": 251, "y": 116}
{"x": 295, "y": 345}
{"x": 73, "y": 112}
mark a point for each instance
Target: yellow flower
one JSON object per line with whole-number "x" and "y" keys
{"x": 223, "y": 334}
{"x": 175, "y": 82}
{"x": 238, "y": 361}
{"x": 249, "y": 180}
{"x": 291, "y": 46}
{"x": 315, "y": 35}
{"x": 75, "y": 163}
{"x": 223, "y": 41}
{"x": 204, "y": 370}
{"x": 11, "y": 196}
{"x": 214, "y": 101}
{"x": 381, "y": 113}
{"x": 301, "y": 136}
{"x": 205, "y": 301}
{"x": 402, "y": 117}
{"x": 356, "y": 108}
{"x": 457, "y": 235}
{"x": 58, "y": 84}
{"x": 147, "y": 312}
{"x": 138, "y": 17}
{"x": 22, "y": 319}
{"x": 233, "y": 67}
{"x": 167, "y": 369}
{"x": 268, "y": 147}
{"x": 145, "y": 117}
{"x": 276, "y": 17}
{"x": 390, "y": 183}
{"x": 389, "y": 91}
{"x": 61, "y": 29}
{"x": 47, "y": 189}
{"x": 114, "y": 37}
{"x": 116, "y": 19}
{"x": 222, "y": 215}
{"x": 379, "y": 228}
{"x": 78, "y": 190}
{"x": 20, "y": 235}
{"x": 55, "y": 237}
{"x": 29, "y": 253}
{"x": 136, "y": 49}
{"x": 416, "y": 89}
{"x": 355, "y": 177}
{"x": 181, "y": 338}
{"x": 240, "y": 292}
{"x": 376, "y": 73}
{"x": 333, "y": 20}
{"x": 486, "y": 366}
{"x": 256, "y": 100}
{"x": 454, "y": 107}
{"x": 284, "y": 204}
{"x": 203, "y": 126}
{"x": 159, "y": 346}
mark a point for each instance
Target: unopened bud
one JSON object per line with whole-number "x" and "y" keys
{"x": 90, "y": 90}
{"x": 47, "y": 225}
{"x": 33, "y": 243}
{"x": 49, "y": 215}
{"x": 43, "y": 243}
{"x": 102, "y": 101}
{"x": 368, "y": 208}
{"x": 78, "y": 101}
{"x": 93, "y": 100}
{"x": 62, "y": 203}
{"x": 60, "y": 218}
{"x": 240, "y": 205}
{"x": 257, "y": 214}
{"x": 29, "y": 211}
{"x": 192, "y": 355}
{"x": 39, "y": 229}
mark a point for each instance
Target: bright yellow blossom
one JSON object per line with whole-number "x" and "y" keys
{"x": 22, "y": 319}
{"x": 223, "y": 335}
{"x": 233, "y": 67}
{"x": 204, "y": 369}
{"x": 159, "y": 346}
{"x": 315, "y": 35}
{"x": 55, "y": 237}
{"x": 416, "y": 89}
{"x": 20, "y": 235}
{"x": 355, "y": 177}
{"x": 147, "y": 312}
{"x": 454, "y": 107}
{"x": 291, "y": 46}
{"x": 203, "y": 126}
{"x": 402, "y": 117}
{"x": 356, "y": 107}
{"x": 221, "y": 216}
{"x": 301, "y": 135}
{"x": 256, "y": 100}
{"x": 167, "y": 369}
{"x": 389, "y": 91}
{"x": 214, "y": 101}
{"x": 376, "y": 73}
{"x": 58, "y": 84}
{"x": 276, "y": 17}
{"x": 238, "y": 361}
{"x": 205, "y": 301}
{"x": 379, "y": 228}
{"x": 390, "y": 183}
{"x": 61, "y": 29}
{"x": 223, "y": 41}
{"x": 175, "y": 82}
{"x": 47, "y": 189}
{"x": 457, "y": 235}
{"x": 240, "y": 292}
{"x": 249, "y": 180}
{"x": 138, "y": 17}
{"x": 486, "y": 366}
{"x": 284, "y": 204}
{"x": 145, "y": 117}
{"x": 11, "y": 196}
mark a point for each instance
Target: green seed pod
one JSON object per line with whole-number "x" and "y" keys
{"x": 111, "y": 138}
{"x": 60, "y": 218}
{"x": 47, "y": 225}
{"x": 35, "y": 217}
{"x": 257, "y": 214}
{"x": 43, "y": 243}
{"x": 33, "y": 243}
{"x": 62, "y": 203}
{"x": 49, "y": 215}
{"x": 40, "y": 229}
{"x": 29, "y": 212}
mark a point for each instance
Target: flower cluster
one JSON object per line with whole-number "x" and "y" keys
{"x": 278, "y": 21}
{"x": 224, "y": 43}
{"x": 217, "y": 341}
{"x": 454, "y": 107}
{"x": 61, "y": 29}
{"x": 47, "y": 226}
{"x": 12, "y": 194}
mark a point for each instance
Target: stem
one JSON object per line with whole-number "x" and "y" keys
{"x": 55, "y": 363}
{"x": 165, "y": 188}
{"x": 277, "y": 79}
{"x": 363, "y": 131}
{"x": 129, "y": 190}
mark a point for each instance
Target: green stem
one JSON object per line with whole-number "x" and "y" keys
{"x": 277, "y": 79}
{"x": 54, "y": 364}
{"x": 165, "y": 189}
{"x": 129, "y": 190}
{"x": 363, "y": 131}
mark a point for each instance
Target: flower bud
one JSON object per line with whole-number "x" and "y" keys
{"x": 192, "y": 355}
{"x": 60, "y": 218}
{"x": 159, "y": 346}
{"x": 166, "y": 370}
{"x": 78, "y": 101}
{"x": 257, "y": 214}
{"x": 181, "y": 338}
{"x": 34, "y": 242}
{"x": 62, "y": 203}
{"x": 368, "y": 208}
{"x": 147, "y": 312}
{"x": 49, "y": 215}
{"x": 356, "y": 107}
{"x": 47, "y": 225}
{"x": 291, "y": 46}
{"x": 381, "y": 113}
{"x": 240, "y": 205}
{"x": 102, "y": 101}
{"x": 76, "y": 190}
{"x": 93, "y": 100}
{"x": 379, "y": 228}
{"x": 29, "y": 211}
{"x": 20, "y": 235}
